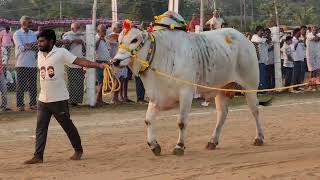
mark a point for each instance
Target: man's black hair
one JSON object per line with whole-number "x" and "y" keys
{"x": 295, "y": 31}
{"x": 48, "y": 34}
{"x": 303, "y": 27}
{"x": 258, "y": 28}
{"x": 288, "y": 38}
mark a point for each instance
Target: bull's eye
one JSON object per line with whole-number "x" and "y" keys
{"x": 134, "y": 41}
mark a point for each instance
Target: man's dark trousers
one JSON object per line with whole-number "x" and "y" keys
{"x": 60, "y": 110}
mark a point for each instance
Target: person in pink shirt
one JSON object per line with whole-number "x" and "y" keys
{"x": 6, "y": 39}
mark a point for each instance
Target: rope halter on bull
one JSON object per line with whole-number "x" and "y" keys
{"x": 145, "y": 64}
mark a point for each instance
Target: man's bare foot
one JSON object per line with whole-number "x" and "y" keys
{"x": 77, "y": 155}
{"x": 34, "y": 160}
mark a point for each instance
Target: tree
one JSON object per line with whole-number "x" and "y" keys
{"x": 305, "y": 15}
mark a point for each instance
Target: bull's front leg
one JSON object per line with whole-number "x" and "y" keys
{"x": 185, "y": 99}
{"x": 152, "y": 112}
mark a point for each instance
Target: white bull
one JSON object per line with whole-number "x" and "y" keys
{"x": 216, "y": 59}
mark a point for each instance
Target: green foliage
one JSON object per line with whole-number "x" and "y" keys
{"x": 291, "y": 12}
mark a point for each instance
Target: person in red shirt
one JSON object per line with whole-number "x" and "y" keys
{"x": 193, "y": 22}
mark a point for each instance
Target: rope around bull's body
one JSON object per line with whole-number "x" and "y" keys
{"x": 146, "y": 66}
{"x": 112, "y": 84}
{"x": 227, "y": 90}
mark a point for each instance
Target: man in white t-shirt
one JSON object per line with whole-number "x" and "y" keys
{"x": 262, "y": 47}
{"x": 298, "y": 52}
{"x": 216, "y": 21}
{"x": 54, "y": 95}
{"x": 288, "y": 61}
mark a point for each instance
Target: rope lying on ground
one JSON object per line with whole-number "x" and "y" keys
{"x": 110, "y": 83}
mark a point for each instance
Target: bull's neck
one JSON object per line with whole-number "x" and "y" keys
{"x": 167, "y": 45}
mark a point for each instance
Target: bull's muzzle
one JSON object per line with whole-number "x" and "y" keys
{"x": 116, "y": 62}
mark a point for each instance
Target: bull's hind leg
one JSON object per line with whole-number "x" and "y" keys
{"x": 185, "y": 102}
{"x": 253, "y": 103}
{"x": 151, "y": 138}
{"x": 221, "y": 101}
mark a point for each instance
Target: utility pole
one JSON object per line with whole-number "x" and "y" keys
{"x": 173, "y": 5}
{"x": 90, "y": 54}
{"x": 245, "y": 15}
{"x": 241, "y": 15}
{"x": 60, "y": 8}
{"x": 252, "y": 10}
{"x": 276, "y": 41}
{"x": 94, "y": 13}
{"x": 114, "y": 11}
{"x": 201, "y": 15}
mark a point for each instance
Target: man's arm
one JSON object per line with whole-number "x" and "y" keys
{"x": 78, "y": 41}
{"x": 12, "y": 39}
{"x": 18, "y": 42}
{"x": 1, "y": 36}
{"x": 89, "y": 64}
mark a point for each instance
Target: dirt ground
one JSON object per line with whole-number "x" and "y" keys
{"x": 115, "y": 146}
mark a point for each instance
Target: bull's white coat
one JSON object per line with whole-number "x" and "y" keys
{"x": 214, "y": 58}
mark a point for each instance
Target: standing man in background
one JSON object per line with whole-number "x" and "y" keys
{"x": 216, "y": 21}
{"x": 75, "y": 40}
{"x": 262, "y": 48}
{"x": 6, "y": 41}
{"x": 26, "y": 49}
{"x": 102, "y": 56}
{"x": 298, "y": 50}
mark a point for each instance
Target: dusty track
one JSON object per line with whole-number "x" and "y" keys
{"x": 115, "y": 147}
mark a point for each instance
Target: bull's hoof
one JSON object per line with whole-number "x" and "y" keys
{"x": 178, "y": 151}
{"x": 156, "y": 150}
{"x": 258, "y": 142}
{"x": 211, "y": 146}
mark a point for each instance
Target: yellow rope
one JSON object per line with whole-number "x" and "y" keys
{"x": 145, "y": 65}
{"x": 110, "y": 84}
{"x": 227, "y": 90}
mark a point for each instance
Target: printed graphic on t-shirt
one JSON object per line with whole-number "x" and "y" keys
{"x": 47, "y": 71}
{"x": 50, "y": 70}
{"x": 43, "y": 72}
